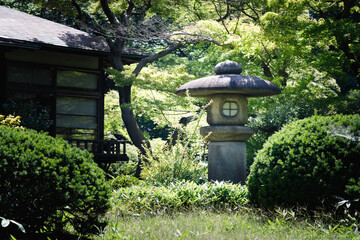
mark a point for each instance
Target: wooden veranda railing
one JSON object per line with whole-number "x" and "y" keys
{"x": 105, "y": 151}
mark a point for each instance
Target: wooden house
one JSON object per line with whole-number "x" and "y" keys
{"x": 61, "y": 68}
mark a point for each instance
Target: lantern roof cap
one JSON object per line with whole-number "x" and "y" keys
{"x": 229, "y": 81}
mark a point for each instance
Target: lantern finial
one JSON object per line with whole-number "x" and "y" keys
{"x": 228, "y": 67}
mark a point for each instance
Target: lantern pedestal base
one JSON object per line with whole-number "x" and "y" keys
{"x": 227, "y": 162}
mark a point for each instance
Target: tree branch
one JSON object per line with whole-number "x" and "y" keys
{"x": 154, "y": 57}
{"x": 254, "y": 18}
{"x": 220, "y": 17}
{"x": 265, "y": 48}
{"x": 237, "y": 24}
{"x": 198, "y": 15}
{"x": 109, "y": 14}
{"x": 78, "y": 10}
{"x": 126, "y": 15}
{"x": 197, "y": 38}
{"x": 348, "y": 5}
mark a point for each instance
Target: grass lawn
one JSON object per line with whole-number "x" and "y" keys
{"x": 231, "y": 225}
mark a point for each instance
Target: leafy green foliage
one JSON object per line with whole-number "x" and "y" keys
{"x": 269, "y": 115}
{"x": 151, "y": 129}
{"x": 123, "y": 181}
{"x": 153, "y": 100}
{"x": 166, "y": 166}
{"x": 348, "y": 104}
{"x": 32, "y": 7}
{"x": 46, "y": 183}
{"x": 307, "y": 162}
{"x": 113, "y": 123}
{"x": 33, "y": 114}
{"x": 10, "y": 120}
{"x": 180, "y": 196}
{"x": 168, "y": 163}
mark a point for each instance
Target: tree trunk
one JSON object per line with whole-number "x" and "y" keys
{"x": 352, "y": 69}
{"x": 127, "y": 113}
{"x": 284, "y": 76}
{"x": 128, "y": 116}
{"x": 266, "y": 70}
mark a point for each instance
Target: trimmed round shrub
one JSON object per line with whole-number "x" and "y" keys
{"x": 45, "y": 184}
{"x": 308, "y": 162}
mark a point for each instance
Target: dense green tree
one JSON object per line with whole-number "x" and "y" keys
{"x": 309, "y": 48}
{"x": 152, "y": 25}
{"x": 335, "y": 34}
{"x": 320, "y": 34}
{"x": 287, "y": 43}
{"x": 280, "y": 41}
{"x": 30, "y": 7}
{"x": 283, "y": 37}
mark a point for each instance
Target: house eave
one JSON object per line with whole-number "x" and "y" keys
{"x": 43, "y": 46}
{"x": 129, "y": 58}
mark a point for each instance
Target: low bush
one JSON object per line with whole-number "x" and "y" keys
{"x": 169, "y": 164}
{"x": 308, "y": 162}
{"x": 47, "y": 185}
{"x": 269, "y": 115}
{"x": 124, "y": 181}
{"x": 181, "y": 196}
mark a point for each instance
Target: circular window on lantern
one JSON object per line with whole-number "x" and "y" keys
{"x": 230, "y": 109}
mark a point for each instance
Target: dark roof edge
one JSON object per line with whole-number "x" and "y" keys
{"x": 44, "y": 46}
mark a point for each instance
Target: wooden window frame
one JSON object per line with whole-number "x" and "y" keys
{"x": 54, "y": 90}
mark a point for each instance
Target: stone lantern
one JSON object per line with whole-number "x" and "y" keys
{"x": 227, "y": 114}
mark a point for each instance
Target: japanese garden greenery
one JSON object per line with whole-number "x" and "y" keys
{"x": 309, "y": 48}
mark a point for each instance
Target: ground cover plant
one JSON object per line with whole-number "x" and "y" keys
{"x": 217, "y": 210}
{"x": 48, "y": 186}
{"x": 146, "y": 199}
{"x": 314, "y": 162}
{"x": 242, "y": 224}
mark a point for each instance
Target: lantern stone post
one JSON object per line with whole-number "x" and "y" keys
{"x": 227, "y": 114}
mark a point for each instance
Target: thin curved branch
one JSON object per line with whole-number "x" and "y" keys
{"x": 237, "y": 24}
{"x": 128, "y": 12}
{"x": 220, "y": 17}
{"x": 254, "y": 18}
{"x": 154, "y": 57}
{"x": 109, "y": 14}
{"x": 197, "y": 38}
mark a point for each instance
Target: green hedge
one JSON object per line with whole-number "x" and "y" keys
{"x": 308, "y": 162}
{"x": 47, "y": 184}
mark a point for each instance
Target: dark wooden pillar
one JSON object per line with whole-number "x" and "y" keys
{"x": 101, "y": 88}
{"x": 3, "y": 79}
